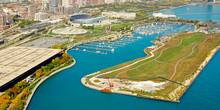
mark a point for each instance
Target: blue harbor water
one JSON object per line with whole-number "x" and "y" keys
{"x": 196, "y": 12}
{"x": 64, "y": 90}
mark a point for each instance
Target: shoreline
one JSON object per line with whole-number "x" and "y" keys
{"x": 202, "y": 66}
{"x": 42, "y": 80}
{"x": 191, "y": 80}
{"x": 168, "y": 9}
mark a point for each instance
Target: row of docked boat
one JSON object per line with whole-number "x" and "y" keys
{"x": 105, "y": 47}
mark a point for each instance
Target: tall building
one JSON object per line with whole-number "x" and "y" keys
{"x": 65, "y": 2}
{"x": 9, "y": 18}
{"x": 217, "y": 1}
{"x": 45, "y": 1}
{"x": 60, "y": 2}
{"x": 45, "y": 6}
{"x": 109, "y": 1}
{"x": 60, "y": 6}
{"x": 69, "y": 9}
{"x": 2, "y": 20}
{"x": 31, "y": 1}
{"x": 37, "y": 1}
{"x": 72, "y": 2}
{"x": 54, "y": 3}
{"x": 32, "y": 10}
{"x": 54, "y": 6}
{"x": 22, "y": 11}
{"x": 76, "y": 8}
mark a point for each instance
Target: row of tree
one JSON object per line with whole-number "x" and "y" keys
{"x": 18, "y": 94}
{"x": 88, "y": 27}
{"x": 14, "y": 95}
{"x": 46, "y": 70}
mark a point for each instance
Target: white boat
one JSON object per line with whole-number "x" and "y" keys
{"x": 98, "y": 52}
{"x": 139, "y": 37}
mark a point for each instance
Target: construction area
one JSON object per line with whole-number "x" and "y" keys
{"x": 17, "y": 63}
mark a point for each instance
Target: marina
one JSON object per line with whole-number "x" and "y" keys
{"x": 157, "y": 28}
{"x": 105, "y": 47}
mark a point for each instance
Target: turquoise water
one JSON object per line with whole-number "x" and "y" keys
{"x": 65, "y": 91}
{"x": 196, "y": 12}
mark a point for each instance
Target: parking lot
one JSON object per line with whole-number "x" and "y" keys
{"x": 45, "y": 42}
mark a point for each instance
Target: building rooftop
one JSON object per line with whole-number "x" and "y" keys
{"x": 14, "y": 61}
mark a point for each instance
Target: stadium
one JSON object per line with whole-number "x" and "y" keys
{"x": 85, "y": 19}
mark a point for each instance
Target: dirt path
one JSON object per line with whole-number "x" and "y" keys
{"x": 184, "y": 58}
{"x": 150, "y": 57}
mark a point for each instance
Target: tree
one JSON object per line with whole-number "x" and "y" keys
{"x": 16, "y": 18}
{"x": 38, "y": 73}
{"x": 64, "y": 58}
{"x": 22, "y": 84}
{"x": 16, "y": 100}
{"x": 4, "y": 101}
{"x": 57, "y": 59}
{"x": 53, "y": 61}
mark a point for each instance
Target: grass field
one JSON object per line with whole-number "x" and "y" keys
{"x": 189, "y": 49}
{"x": 175, "y": 62}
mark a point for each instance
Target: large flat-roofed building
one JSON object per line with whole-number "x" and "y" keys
{"x": 164, "y": 15}
{"x": 41, "y": 16}
{"x": 16, "y": 63}
{"x": 124, "y": 15}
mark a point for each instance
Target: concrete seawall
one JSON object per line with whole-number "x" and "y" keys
{"x": 208, "y": 59}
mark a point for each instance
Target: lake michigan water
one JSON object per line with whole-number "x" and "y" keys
{"x": 65, "y": 91}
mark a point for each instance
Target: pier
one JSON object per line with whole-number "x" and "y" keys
{"x": 105, "y": 47}
{"x": 90, "y": 51}
{"x": 95, "y": 48}
{"x": 99, "y": 45}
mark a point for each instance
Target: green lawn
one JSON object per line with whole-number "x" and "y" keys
{"x": 172, "y": 52}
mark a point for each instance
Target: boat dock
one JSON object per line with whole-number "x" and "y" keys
{"x": 95, "y": 48}
{"x": 84, "y": 50}
{"x": 105, "y": 47}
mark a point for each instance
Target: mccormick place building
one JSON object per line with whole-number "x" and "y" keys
{"x": 16, "y": 63}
